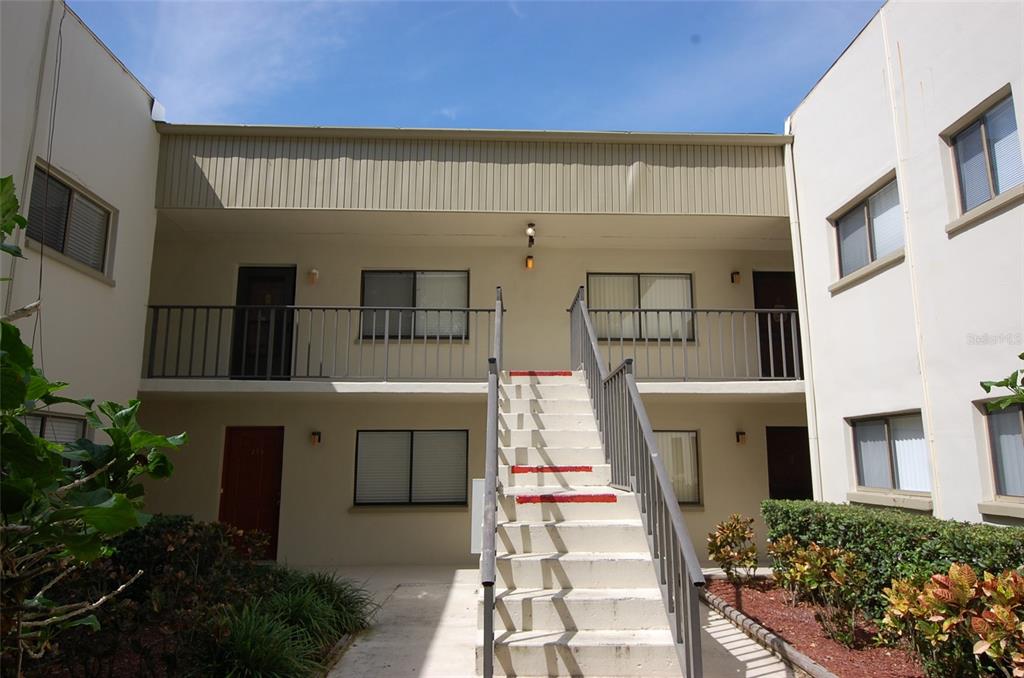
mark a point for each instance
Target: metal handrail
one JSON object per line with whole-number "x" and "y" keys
{"x": 490, "y": 517}
{"x": 288, "y": 341}
{"x": 636, "y": 464}
{"x": 702, "y": 344}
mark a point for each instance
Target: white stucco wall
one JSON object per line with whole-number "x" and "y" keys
{"x": 922, "y": 333}
{"x": 105, "y": 142}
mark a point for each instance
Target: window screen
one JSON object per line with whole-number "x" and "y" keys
{"x": 67, "y": 221}
{"x": 1007, "y": 439}
{"x": 411, "y": 467}
{"x": 433, "y": 290}
{"x": 666, "y": 295}
{"x": 679, "y": 454}
{"x": 892, "y": 453}
{"x": 871, "y": 230}
{"x": 988, "y": 156}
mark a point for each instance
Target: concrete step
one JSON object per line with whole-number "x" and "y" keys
{"x": 524, "y": 421}
{"x": 575, "y": 570}
{"x": 580, "y": 405}
{"x": 550, "y": 438}
{"x": 550, "y": 456}
{"x": 584, "y": 653}
{"x": 543, "y": 377}
{"x": 576, "y": 610}
{"x": 555, "y": 475}
{"x": 550, "y": 503}
{"x": 607, "y": 536}
{"x": 573, "y": 391}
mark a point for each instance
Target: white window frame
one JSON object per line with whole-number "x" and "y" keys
{"x": 412, "y": 451}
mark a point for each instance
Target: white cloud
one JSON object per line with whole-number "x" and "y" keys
{"x": 210, "y": 60}
{"x": 450, "y": 112}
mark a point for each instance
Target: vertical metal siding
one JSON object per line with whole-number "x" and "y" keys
{"x": 203, "y": 171}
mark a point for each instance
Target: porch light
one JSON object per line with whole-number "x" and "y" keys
{"x": 314, "y": 438}
{"x": 313, "y": 275}
{"x": 529, "y": 262}
{"x": 735, "y": 277}
{"x": 741, "y": 437}
{"x": 531, "y": 231}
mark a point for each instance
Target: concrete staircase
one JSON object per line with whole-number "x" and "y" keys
{"x": 576, "y": 593}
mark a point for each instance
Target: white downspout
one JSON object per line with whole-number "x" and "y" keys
{"x": 801, "y": 297}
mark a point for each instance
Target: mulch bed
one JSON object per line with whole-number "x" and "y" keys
{"x": 771, "y": 608}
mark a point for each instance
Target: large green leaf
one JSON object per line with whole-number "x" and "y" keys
{"x": 14, "y": 349}
{"x": 13, "y": 388}
{"x": 86, "y": 547}
{"x": 15, "y": 493}
{"x": 84, "y": 449}
{"x": 90, "y": 497}
{"x": 28, "y": 458}
{"x": 158, "y": 465}
{"x": 144, "y": 440}
{"x": 113, "y": 516}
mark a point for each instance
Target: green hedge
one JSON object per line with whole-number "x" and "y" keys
{"x": 894, "y": 544}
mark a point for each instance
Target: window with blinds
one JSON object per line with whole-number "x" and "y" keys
{"x": 678, "y": 451}
{"x": 892, "y": 453}
{"x": 68, "y": 222}
{"x": 988, "y": 156}
{"x": 641, "y": 305}
{"x": 441, "y": 295}
{"x": 411, "y": 467}
{"x": 1006, "y": 435}
{"x": 871, "y": 230}
{"x": 55, "y": 428}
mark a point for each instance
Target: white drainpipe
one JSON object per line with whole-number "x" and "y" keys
{"x": 801, "y": 296}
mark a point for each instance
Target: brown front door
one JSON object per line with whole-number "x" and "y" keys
{"x": 778, "y": 333}
{"x": 250, "y": 487}
{"x": 789, "y": 463}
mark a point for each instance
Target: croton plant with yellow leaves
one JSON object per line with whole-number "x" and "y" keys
{"x": 962, "y": 624}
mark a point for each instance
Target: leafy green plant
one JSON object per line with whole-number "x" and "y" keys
{"x": 830, "y": 578}
{"x": 59, "y": 503}
{"x": 352, "y": 605}
{"x": 961, "y": 624}
{"x": 1014, "y": 383}
{"x": 304, "y": 609}
{"x": 253, "y": 641}
{"x": 782, "y": 551}
{"x": 892, "y": 544}
{"x": 732, "y": 546}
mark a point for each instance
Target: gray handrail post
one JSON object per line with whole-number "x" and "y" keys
{"x": 487, "y": 550}
{"x": 499, "y": 311}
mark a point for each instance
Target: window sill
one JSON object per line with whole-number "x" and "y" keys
{"x": 406, "y": 508}
{"x": 905, "y": 500}
{"x": 865, "y": 272}
{"x": 986, "y": 210}
{"x": 51, "y": 253}
{"x": 1009, "y": 508}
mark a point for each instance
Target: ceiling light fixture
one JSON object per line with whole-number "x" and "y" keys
{"x": 531, "y": 231}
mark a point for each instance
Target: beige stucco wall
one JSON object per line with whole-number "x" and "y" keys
{"x": 105, "y": 142}
{"x": 923, "y": 333}
{"x": 197, "y": 268}
{"x": 320, "y": 526}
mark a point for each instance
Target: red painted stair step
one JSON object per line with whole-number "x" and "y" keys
{"x": 540, "y": 373}
{"x": 552, "y": 469}
{"x": 566, "y": 499}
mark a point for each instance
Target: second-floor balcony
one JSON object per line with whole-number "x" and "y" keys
{"x": 330, "y": 343}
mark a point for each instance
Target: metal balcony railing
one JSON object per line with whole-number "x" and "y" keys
{"x": 692, "y": 344}
{"x": 632, "y": 452}
{"x": 318, "y": 342}
{"x": 490, "y": 517}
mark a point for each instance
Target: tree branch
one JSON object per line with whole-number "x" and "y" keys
{"x": 23, "y": 312}
{"x": 61, "y": 491}
{"x": 86, "y": 607}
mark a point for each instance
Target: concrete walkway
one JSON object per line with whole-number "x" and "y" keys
{"x": 427, "y": 627}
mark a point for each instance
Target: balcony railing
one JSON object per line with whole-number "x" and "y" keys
{"x": 692, "y": 344}
{"x": 335, "y": 343}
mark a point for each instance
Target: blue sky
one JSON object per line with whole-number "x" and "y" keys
{"x": 658, "y": 66}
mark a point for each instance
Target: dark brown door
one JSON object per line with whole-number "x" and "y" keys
{"x": 262, "y": 344}
{"x": 778, "y": 334}
{"x": 789, "y": 463}
{"x": 250, "y": 486}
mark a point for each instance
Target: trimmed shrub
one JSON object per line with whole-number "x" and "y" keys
{"x": 893, "y": 544}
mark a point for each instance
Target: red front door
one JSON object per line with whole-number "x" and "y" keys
{"x": 250, "y": 489}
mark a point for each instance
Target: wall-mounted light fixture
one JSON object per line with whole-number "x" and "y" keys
{"x": 735, "y": 277}
{"x": 315, "y": 438}
{"x": 741, "y": 437}
{"x": 529, "y": 262}
{"x": 531, "y": 232}
{"x": 312, "y": 276}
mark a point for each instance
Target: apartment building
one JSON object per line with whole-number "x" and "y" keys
{"x": 808, "y": 314}
{"x": 910, "y": 230}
